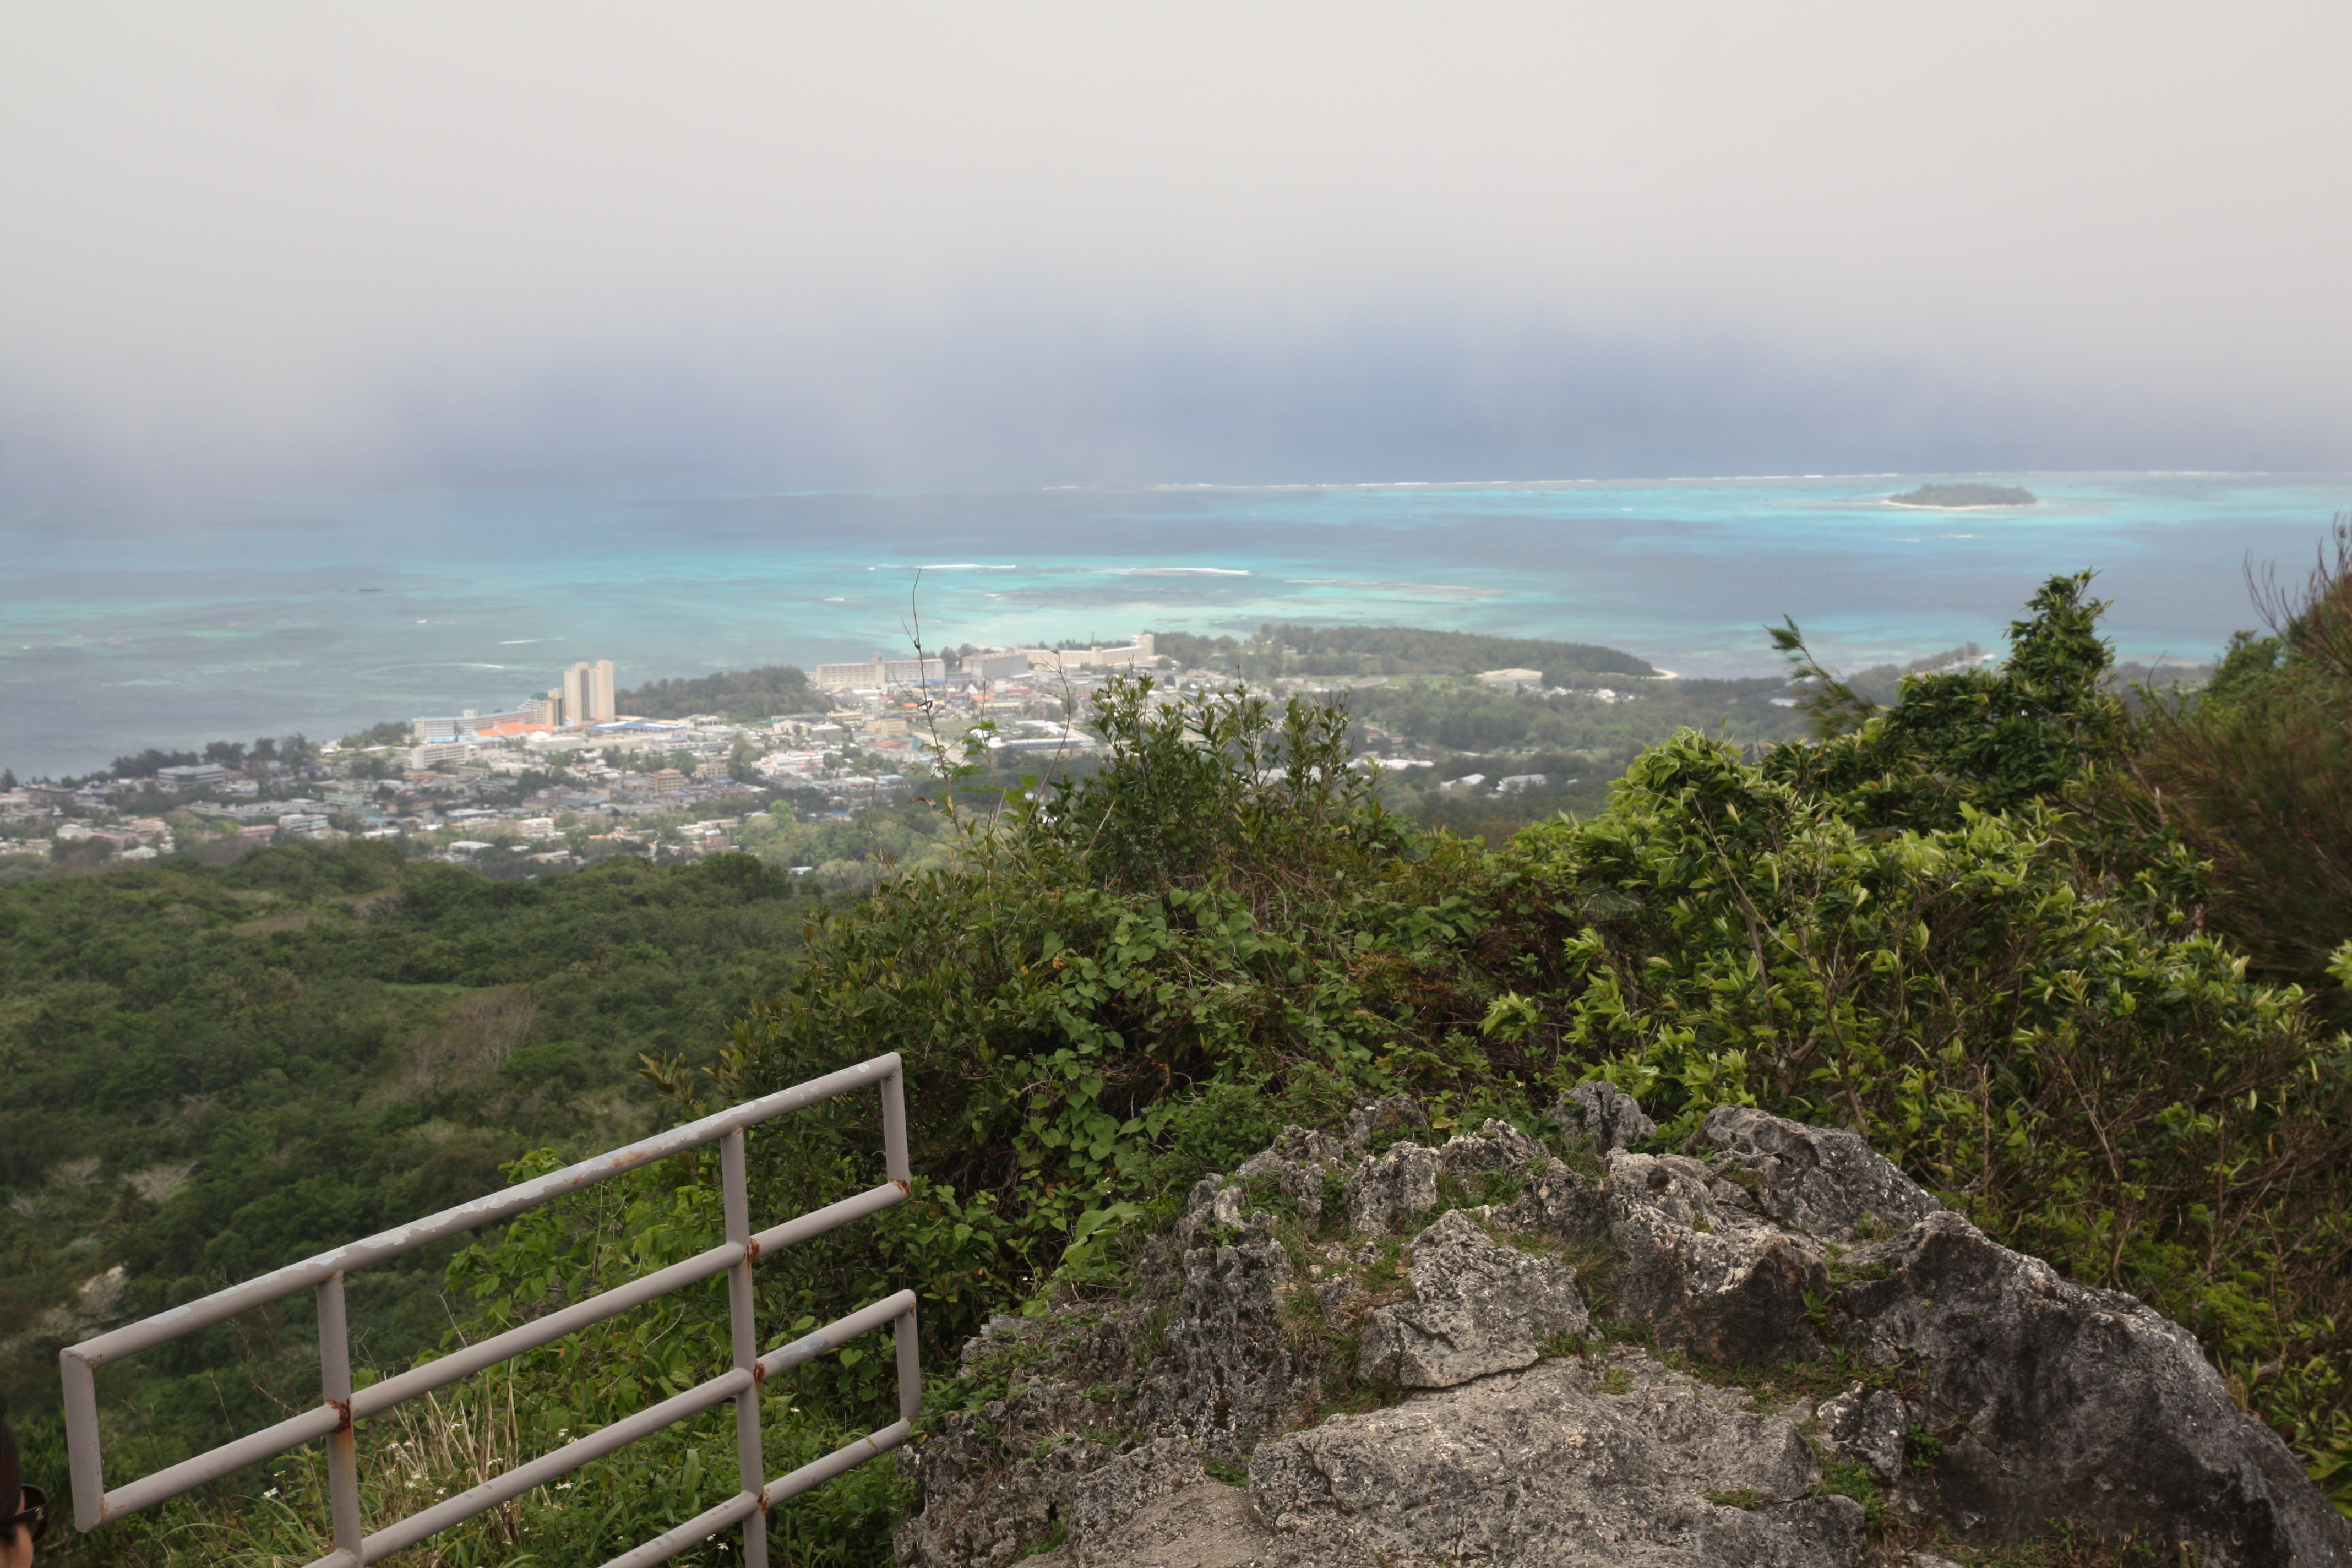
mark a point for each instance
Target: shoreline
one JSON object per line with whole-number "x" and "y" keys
{"x": 1985, "y": 506}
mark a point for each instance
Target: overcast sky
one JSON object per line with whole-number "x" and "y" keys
{"x": 862, "y": 243}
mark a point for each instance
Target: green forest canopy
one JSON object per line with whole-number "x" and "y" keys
{"x": 743, "y": 695}
{"x": 210, "y": 1071}
{"x": 1287, "y": 649}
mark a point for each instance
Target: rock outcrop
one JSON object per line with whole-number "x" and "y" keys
{"x": 1774, "y": 1349}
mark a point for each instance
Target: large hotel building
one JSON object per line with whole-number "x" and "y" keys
{"x": 585, "y": 697}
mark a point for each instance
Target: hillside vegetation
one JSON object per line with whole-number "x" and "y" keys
{"x": 211, "y": 1071}
{"x": 2256, "y": 773}
{"x": 743, "y": 696}
{"x": 1973, "y": 927}
{"x": 1302, "y": 650}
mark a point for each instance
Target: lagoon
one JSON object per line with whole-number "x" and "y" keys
{"x": 172, "y": 624}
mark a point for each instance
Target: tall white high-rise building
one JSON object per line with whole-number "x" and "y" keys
{"x": 586, "y": 695}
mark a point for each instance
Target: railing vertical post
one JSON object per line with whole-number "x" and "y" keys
{"x": 910, "y": 1368}
{"x": 87, "y": 1468}
{"x": 894, "y": 1155}
{"x": 342, "y": 1451}
{"x": 750, "y": 1464}
{"x": 894, "y": 1126}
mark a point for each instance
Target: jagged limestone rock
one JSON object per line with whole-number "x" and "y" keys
{"x": 1823, "y": 1181}
{"x": 1557, "y": 1202}
{"x": 1477, "y": 1307}
{"x": 1605, "y": 1114}
{"x": 989, "y": 1511}
{"x": 1226, "y": 1379}
{"x": 1206, "y": 1525}
{"x": 2006, "y": 1399}
{"x": 1703, "y": 1271}
{"x": 1496, "y": 1146}
{"x": 1298, "y": 1166}
{"x": 1394, "y": 1187}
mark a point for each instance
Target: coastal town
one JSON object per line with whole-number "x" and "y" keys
{"x": 567, "y": 777}
{"x": 571, "y": 774}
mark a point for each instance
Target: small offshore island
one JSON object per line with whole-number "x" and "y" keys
{"x": 1963, "y": 498}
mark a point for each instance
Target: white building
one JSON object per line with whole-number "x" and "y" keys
{"x": 883, "y": 671}
{"x": 1126, "y": 657}
{"x": 996, "y": 663}
{"x": 196, "y": 777}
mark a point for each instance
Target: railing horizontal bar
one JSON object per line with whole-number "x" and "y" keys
{"x": 701, "y": 1527}
{"x": 381, "y": 1396}
{"x": 838, "y": 1333}
{"x": 498, "y": 1205}
{"x": 402, "y": 1535}
{"x": 832, "y": 1217}
{"x": 816, "y": 1472}
{"x": 148, "y": 1490}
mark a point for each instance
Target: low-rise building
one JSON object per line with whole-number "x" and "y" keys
{"x": 996, "y": 664}
{"x": 882, "y": 671}
{"x": 1126, "y": 657}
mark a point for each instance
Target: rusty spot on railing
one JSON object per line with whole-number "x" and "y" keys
{"x": 343, "y": 1409}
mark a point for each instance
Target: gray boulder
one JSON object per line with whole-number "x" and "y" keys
{"x": 2003, "y": 1400}
{"x": 2046, "y": 1400}
{"x": 1397, "y": 1113}
{"x": 1224, "y": 1377}
{"x": 1496, "y": 1146}
{"x": 1477, "y": 1307}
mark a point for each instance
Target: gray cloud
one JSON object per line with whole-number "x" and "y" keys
{"x": 1054, "y": 241}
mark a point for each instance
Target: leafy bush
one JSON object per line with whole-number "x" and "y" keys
{"x": 1928, "y": 927}
{"x": 2256, "y": 773}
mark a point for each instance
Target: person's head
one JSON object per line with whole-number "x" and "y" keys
{"x": 23, "y": 1511}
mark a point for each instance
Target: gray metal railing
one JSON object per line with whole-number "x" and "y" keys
{"x": 341, "y": 1405}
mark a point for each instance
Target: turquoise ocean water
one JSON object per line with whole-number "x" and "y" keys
{"x": 170, "y": 626}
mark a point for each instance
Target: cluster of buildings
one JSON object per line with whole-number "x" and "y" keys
{"x": 585, "y": 698}
{"x": 568, "y": 767}
{"x": 884, "y": 670}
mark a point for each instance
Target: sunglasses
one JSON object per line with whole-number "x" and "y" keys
{"x": 34, "y": 1516}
